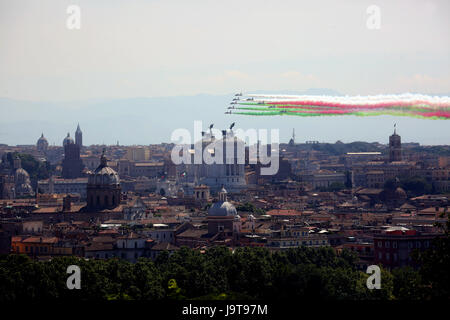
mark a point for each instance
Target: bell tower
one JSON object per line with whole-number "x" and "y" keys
{"x": 79, "y": 137}
{"x": 395, "y": 146}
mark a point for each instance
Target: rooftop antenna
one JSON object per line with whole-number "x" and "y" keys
{"x": 395, "y": 125}
{"x": 293, "y": 134}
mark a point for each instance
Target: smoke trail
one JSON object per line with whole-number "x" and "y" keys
{"x": 410, "y": 105}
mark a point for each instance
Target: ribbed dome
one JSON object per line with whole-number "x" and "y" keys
{"x": 68, "y": 140}
{"x": 103, "y": 175}
{"x": 222, "y": 209}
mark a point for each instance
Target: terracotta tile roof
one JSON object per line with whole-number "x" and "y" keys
{"x": 164, "y": 246}
{"x": 284, "y": 212}
{"x": 40, "y": 240}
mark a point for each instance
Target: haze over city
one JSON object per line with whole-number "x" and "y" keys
{"x": 137, "y": 64}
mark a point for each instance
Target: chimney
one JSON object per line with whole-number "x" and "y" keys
{"x": 224, "y": 133}
{"x": 67, "y": 203}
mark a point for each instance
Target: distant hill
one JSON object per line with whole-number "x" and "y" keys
{"x": 152, "y": 120}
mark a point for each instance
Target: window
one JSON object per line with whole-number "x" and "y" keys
{"x": 387, "y": 256}
{"x": 387, "y": 244}
{"x": 380, "y": 244}
{"x": 380, "y": 255}
{"x": 394, "y": 244}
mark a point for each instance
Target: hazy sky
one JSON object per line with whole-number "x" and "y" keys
{"x": 164, "y": 48}
{"x": 156, "y": 48}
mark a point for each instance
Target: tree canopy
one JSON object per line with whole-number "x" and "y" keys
{"x": 218, "y": 273}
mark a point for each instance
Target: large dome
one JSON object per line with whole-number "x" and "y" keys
{"x": 222, "y": 209}
{"x": 103, "y": 175}
{"x": 68, "y": 140}
{"x": 42, "y": 142}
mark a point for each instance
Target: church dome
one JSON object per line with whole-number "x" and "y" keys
{"x": 42, "y": 142}
{"x": 222, "y": 209}
{"x": 68, "y": 140}
{"x": 103, "y": 175}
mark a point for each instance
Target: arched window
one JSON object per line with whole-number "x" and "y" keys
{"x": 113, "y": 199}
{"x": 106, "y": 200}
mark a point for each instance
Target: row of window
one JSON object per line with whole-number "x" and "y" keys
{"x": 418, "y": 244}
{"x": 304, "y": 243}
{"x": 388, "y": 256}
{"x": 31, "y": 249}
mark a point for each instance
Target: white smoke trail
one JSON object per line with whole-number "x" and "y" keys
{"x": 443, "y": 101}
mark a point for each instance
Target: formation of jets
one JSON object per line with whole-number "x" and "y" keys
{"x": 236, "y": 99}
